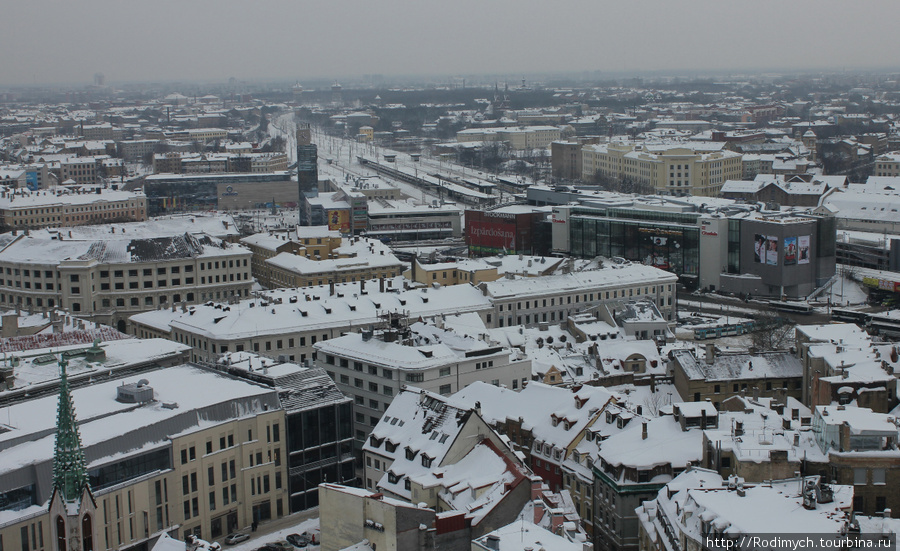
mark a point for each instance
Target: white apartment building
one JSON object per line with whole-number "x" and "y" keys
{"x": 374, "y": 366}
{"x": 552, "y": 299}
{"x": 290, "y": 322}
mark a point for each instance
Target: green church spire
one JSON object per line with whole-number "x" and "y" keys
{"x": 69, "y": 470}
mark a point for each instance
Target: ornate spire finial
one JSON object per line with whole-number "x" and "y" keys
{"x": 69, "y": 471}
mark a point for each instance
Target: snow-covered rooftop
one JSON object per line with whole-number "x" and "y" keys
{"x": 286, "y": 311}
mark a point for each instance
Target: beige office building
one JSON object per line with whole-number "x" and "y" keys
{"x": 161, "y": 457}
{"x": 670, "y": 169}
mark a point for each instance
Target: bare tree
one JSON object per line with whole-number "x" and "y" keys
{"x": 771, "y": 332}
{"x": 653, "y": 403}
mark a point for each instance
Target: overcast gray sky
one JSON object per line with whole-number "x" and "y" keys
{"x": 51, "y": 42}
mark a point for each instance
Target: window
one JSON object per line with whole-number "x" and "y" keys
{"x": 445, "y": 390}
{"x": 445, "y": 372}
{"x": 878, "y": 476}
{"x": 859, "y": 476}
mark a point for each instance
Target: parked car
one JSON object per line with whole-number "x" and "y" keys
{"x": 236, "y": 537}
{"x": 279, "y": 546}
{"x": 298, "y": 540}
{"x": 313, "y": 536}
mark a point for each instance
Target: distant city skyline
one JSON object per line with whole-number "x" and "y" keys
{"x": 49, "y": 42}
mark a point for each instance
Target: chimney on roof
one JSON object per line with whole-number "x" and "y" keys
{"x": 331, "y": 287}
{"x": 644, "y": 430}
{"x": 755, "y": 393}
{"x": 538, "y": 511}
{"x": 381, "y": 284}
{"x": 362, "y": 285}
{"x": 710, "y": 353}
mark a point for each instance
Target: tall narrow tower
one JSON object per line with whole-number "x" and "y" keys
{"x": 307, "y": 171}
{"x": 72, "y": 504}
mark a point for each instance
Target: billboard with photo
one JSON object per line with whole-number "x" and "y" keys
{"x": 759, "y": 248}
{"x": 803, "y": 249}
{"x": 772, "y": 250}
{"x": 790, "y": 251}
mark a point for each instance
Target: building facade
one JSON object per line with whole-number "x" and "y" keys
{"x": 674, "y": 169}
{"x": 111, "y": 279}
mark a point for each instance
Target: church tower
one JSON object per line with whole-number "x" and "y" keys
{"x": 72, "y": 504}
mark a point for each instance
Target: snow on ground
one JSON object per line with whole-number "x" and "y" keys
{"x": 258, "y": 539}
{"x": 846, "y": 292}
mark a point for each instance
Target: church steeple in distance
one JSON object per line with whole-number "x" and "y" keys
{"x": 70, "y": 476}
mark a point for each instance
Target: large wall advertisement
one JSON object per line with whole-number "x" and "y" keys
{"x": 803, "y": 249}
{"x": 495, "y": 232}
{"x": 790, "y": 251}
{"x": 765, "y": 250}
{"x": 339, "y": 219}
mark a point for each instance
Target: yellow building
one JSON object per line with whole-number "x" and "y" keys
{"x": 160, "y": 456}
{"x": 355, "y": 259}
{"x": 450, "y": 273}
{"x": 69, "y": 206}
{"x": 670, "y": 169}
{"x": 318, "y": 257}
{"x": 528, "y": 137}
{"x": 366, "y": 134}
{"x": 887, "y": 164}
{"x": 477, "y": 270}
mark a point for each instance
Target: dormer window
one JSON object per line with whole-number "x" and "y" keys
{"x": 426, "y": 461}
{"x": 554, "y": 420}
{"x": 392, "y": 478}
{"x": 390, "y": 446}
{"x": 411, "y": 453}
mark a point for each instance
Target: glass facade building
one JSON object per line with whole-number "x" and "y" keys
{"x": 669, "y": 241}
{"x": 320, "y": 448}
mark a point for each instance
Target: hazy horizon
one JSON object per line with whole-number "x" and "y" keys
{"x": 53, "y": 42}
